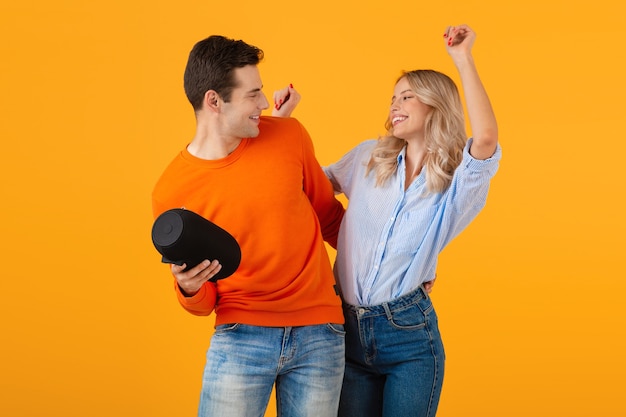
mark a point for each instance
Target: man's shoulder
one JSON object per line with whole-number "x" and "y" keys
{"x": 283, "y": 130}
{"x": 272, "y": 122}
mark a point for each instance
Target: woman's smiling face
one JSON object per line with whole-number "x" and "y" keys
{"x": 407, "y": 113}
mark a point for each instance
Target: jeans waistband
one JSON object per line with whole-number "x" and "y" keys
{"x": 384, "y": 308}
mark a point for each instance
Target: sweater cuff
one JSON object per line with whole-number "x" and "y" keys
{"x": 207, "y": 291}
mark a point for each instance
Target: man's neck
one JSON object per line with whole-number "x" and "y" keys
{"x": 210, "y": 144}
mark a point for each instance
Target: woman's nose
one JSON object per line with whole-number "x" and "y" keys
{"x": 394, "y": 104}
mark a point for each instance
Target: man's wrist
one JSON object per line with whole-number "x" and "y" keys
{"x": 187, "y": 294}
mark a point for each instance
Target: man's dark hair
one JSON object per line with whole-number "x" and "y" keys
{"x": 211, "y": 66}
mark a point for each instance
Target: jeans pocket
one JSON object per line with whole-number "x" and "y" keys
{"x": 411, "y": 317}
{"x": 337, "y": 329}
{"x": 228, "y": 327}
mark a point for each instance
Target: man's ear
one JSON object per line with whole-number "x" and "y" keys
{"x": 212, "y": 100}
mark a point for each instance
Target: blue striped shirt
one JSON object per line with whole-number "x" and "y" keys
{"x": 390, "y": 238}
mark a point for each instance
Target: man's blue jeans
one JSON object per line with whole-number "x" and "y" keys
{"x": 243, "y": 363}
{"x": 394, "y": 359}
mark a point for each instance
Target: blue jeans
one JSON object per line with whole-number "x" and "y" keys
{"x": 394, "y": 359}
{"x": 244, "y": 362}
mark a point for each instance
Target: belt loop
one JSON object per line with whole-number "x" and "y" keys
{"x": 424, "y": 294}
{"x": 387, "y": 311}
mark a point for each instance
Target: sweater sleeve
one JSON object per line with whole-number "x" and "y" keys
{"x": 200, "y": 304}
{"x": 320, "y": 192}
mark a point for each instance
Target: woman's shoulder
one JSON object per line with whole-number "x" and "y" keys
{"x": 365, "y": 147}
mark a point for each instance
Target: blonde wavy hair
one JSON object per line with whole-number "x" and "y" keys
{"x": 444, "y": 132}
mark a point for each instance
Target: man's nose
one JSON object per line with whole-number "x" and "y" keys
{"x": 264, "y": 103}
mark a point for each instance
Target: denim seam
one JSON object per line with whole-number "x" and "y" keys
{"x": 436, "y": 373}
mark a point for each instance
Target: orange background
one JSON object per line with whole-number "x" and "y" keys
{"x": 92, "y": 109}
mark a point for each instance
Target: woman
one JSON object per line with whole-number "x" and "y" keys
{"x": 411, "y": 192}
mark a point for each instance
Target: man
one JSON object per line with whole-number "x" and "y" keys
{"x": 278, "y": 317}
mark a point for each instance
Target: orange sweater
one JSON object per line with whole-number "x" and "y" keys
{"x": 266, "y": 194}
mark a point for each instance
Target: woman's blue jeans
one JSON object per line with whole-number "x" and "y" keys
{"x": 394, "y": 359}
{"x": 244, "y": 362}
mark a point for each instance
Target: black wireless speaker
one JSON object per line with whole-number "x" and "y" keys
{"x": 184, "y": 237}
